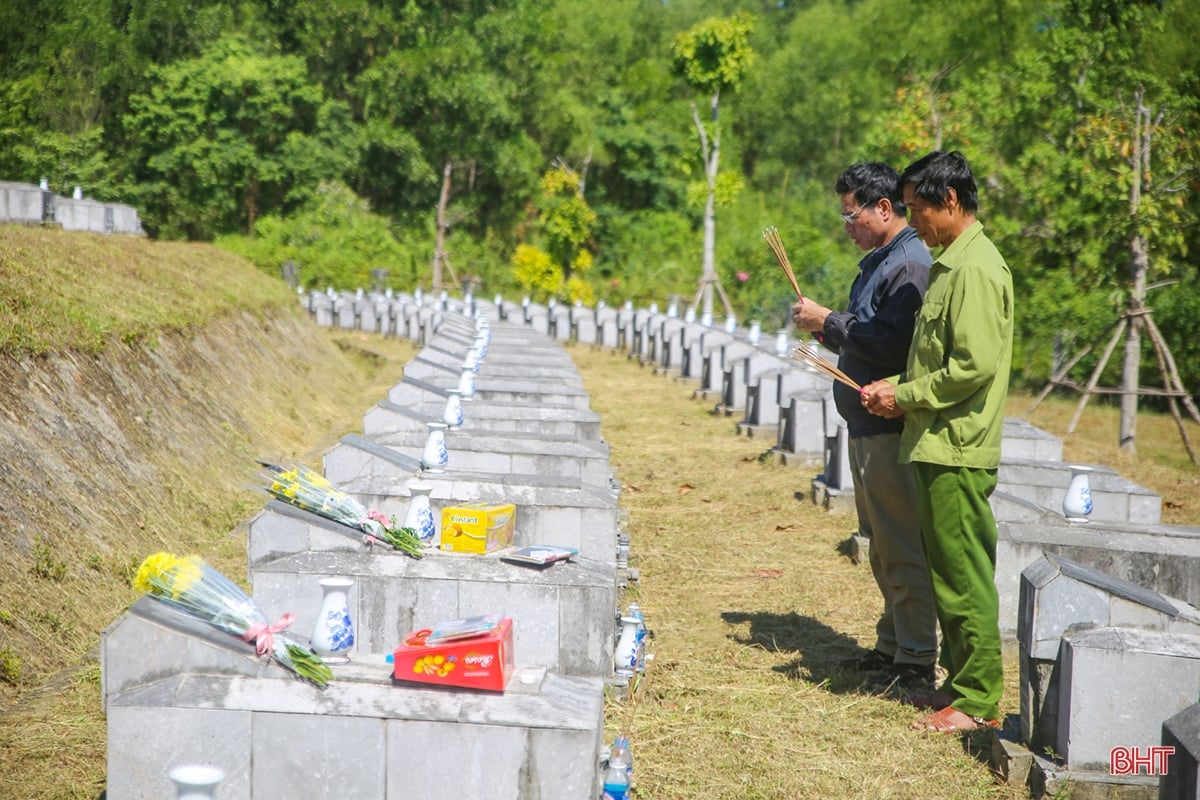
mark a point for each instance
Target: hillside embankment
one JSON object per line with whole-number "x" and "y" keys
{"x": 134, "y": 444}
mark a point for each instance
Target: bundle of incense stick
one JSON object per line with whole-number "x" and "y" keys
{"x": 771, "y": 235}
{"x": 805, "y": 352}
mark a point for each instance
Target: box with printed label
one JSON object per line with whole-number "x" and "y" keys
{"x": 478, "y": 662}
{"x": 478, "y": 528}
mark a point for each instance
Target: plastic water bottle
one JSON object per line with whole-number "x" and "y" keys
{"x": 616, "y": 781}
{"x": 621, "y": 752}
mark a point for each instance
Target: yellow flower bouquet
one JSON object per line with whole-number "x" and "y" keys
{"x": 190, "y": 584}
{"x": 310, "y": 490}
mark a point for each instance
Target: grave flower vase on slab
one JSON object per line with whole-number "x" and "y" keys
{"x": 466, "y": 382}
{"x": 333, "y": 633}
{"x": 196, "y": 781}
{"x": 1077, "y": 503}
{"x": 419, "y": 516}
{"x": 452, "y": 415}
{"x": 434, "y": 456}
{"x": 625, "y": 654}
{"x": 782, "y": 345}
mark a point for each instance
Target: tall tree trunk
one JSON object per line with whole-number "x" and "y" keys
{"x": 439, "y": 247}
{"x": 712, "y": 156}
{"x": 1139, "y": 265}
{"x": 1132, "y": 363}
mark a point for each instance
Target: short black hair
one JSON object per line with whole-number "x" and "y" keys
{"x": 871, "y": 181}
{"x": 935, "y": 174}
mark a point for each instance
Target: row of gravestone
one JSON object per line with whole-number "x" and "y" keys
{"x": 177, "y": 691}
{"x": 1102, "y": 610}
{"x": 1123, "y": 542}
{"x": 27, "y": 204}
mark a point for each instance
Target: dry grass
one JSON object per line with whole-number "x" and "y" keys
{"x": 751, "y": 604}
{"x": 52, "y": 727}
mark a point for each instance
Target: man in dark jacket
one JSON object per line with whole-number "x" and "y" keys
{"x": 872, "y": 338}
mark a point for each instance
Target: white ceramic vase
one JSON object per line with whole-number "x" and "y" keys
{"x": 466, "y": 382}
{"x": 1077, "y": 502}
{"x": 782, "y": 345}
{"x": 625, "y": 656}
{"x": 196, "y": 781}
{"x": 435, "y": 457}
{"x": 452, "y": 415}
{"x": 755, "y": 335}
{"x": 419, "y": 516}
{"x": 333, "y": 632}
{"x": 471, "y": 361}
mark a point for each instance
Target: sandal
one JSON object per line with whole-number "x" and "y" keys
{"x": 951, "y": 720}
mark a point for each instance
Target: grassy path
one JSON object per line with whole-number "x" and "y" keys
{"x": 751, "y": 605}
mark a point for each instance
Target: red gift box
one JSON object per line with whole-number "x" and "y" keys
{"x": 480, "y": 662}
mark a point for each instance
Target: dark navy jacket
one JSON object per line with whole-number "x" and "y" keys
{"x": 873, "y": 334}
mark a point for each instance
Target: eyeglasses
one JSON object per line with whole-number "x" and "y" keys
{"x": 849, "y": 218}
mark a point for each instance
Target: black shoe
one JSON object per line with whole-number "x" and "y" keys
{"x": 870, "y": 661}
{"x": 914, "y": 676}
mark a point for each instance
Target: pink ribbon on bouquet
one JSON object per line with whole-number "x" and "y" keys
{"x": 375, "y": 516}
{"x": 263, "y": 635}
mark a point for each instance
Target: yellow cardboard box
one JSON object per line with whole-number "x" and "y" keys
{"x": 478, "y": 527}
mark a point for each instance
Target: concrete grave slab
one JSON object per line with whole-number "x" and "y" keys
{"x": 1163, "y": 558}
{"x": 1118, "y": 687}
{"x": 560, "y": 422}
{"x": 550, "y": 510}
{"x": 478, "y": 450}
{"x": 563, "y": 615}
{"x": 1044, "y": 483}
{"x": 364, "y": 735}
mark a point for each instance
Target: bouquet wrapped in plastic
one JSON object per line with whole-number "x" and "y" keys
{"x": 192, "y": 585}
{"x": 309, "y": 490}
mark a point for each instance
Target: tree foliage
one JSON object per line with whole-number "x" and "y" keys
{"x": 230, "y": 134}
{"x": 557, "y": 269}
{"x": 715, "y": 53}
{"x": 257, "y": 120}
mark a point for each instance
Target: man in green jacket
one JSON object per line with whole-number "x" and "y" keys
{"x": 952, "y": 400}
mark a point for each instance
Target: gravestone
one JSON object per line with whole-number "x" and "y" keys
{"x": 178, "y": 691}
{"x": 1118, "y": 687}
{"x": 802, "y": 439}
{"x": 1059, "y": 596}
{"x": 1181, "y": 733}
{"x": 834, "y": 487}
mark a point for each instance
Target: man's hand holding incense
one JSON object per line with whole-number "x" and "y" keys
{"x": 880, "y": 399}
{"x": 808, "y": 315}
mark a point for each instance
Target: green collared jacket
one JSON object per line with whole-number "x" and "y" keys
{"x": 956, "y": 382}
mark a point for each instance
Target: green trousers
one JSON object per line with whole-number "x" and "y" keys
{"x": 959, "y": 533}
